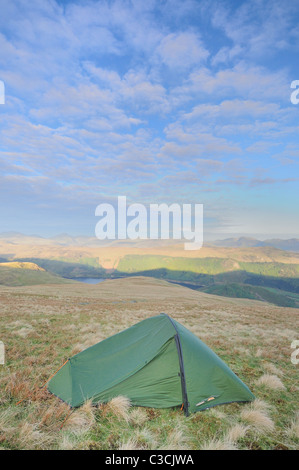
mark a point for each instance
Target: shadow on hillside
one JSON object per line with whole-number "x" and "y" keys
{"x": 66, "y": 269}
{"x": 197, "y": 280}
{"x": 281, "y": 291}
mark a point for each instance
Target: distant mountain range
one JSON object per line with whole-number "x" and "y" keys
{"x": 62, "y": 239}
{"x": 241, "y": 267}
{"x": 65, "y": 239}
{"x": 291, "y": 244}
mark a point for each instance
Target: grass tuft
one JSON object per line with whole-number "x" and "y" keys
{"x": 119, "y": 407}
{"x": 257, "y": 416}
{"x": 270, "y": 381}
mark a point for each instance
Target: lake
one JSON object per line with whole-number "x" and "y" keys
{"x": 89, "y": 280}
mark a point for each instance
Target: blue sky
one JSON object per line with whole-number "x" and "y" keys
{"x": 162, "y": 101}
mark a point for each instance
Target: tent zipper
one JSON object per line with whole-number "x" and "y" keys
{"x": 182, "y": 370}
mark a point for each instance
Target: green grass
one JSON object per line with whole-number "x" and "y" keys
{"x": 212, "y": 266}
{"x": 83, "y": 261}
{"x": 135, "y": 263}
{"x": 274, "y": 296}
{"x": 272, "y": 269}
{"x": 270, "y": 282}
{"x": 89, "y": 267}
{"x": 247, "y": 337}
{"x": 27, "y": 277}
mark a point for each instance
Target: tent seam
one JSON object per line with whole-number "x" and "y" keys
{"x": 182, "y": 368}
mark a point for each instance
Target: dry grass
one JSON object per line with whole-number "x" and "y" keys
{"x": 138, "y": 417}
{"x": 219, "y": 444}
{"x": 53, "y": 414}
{"x": 177, "y": 439}
{"x": 253, "y": 338}
{"x": 7, "y": 418}
{"x": 258, "y": 420}
{"x": 146, "y": 438}
{"x": 257, "y": 416}
{"x": 293, "y": 430}
{"x": 130, "y": 444}
{"x": 237, "y": 432}
{"x": 81, "y": 420}
{"x": 270, "y": 381}
{"x": 30, "y": 437}
{"x": 273, "y": 369}
{"x": 23, "y": 332}
{"x": 119, "y": 408}
{"x": 68, "y": 442}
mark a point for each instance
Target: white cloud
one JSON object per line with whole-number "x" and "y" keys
{"x": 260, "y": 27}
{"x": 135, "y": 89}
{"x": 230, "y": 109}
{"x": 227, "y": 54}
{"x": 106, "y": 97}
{"x": 240, "y": 81}
{"x": 182, "y": 50}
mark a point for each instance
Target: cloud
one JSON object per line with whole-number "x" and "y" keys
{"x": 206, "y": 145}
{"x": 243, "y": 80}
{"x": 207, "y": 167}
{"x": 256, "y": 26}
{"x": 163, "y": 99}
{"x": 181, "y": 50}
{"x": 136, "y": 89}
{"x": 230, "y": 109}
{"x": 227, "y": 54}
{"x": 267, "y": 181}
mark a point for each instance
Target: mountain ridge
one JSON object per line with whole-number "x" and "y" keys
{"x": 64, "y": 239}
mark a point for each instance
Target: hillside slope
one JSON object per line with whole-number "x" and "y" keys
{"x": 22, "y": 265}
{"x": 42, "y": 326}
{"x": 16, "y": 276}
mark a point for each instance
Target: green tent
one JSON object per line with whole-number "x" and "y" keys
{"x": 156, "y": 363}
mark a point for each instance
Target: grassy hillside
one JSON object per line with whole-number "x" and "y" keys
{"x": 210, "y": 267}
{"x": 274, "y": 296}
{"x": 133, "y": 263}
{"x": 27, "y": 277}
{"x": 221, "y": 276}
{"x": 70, "y": 270}
{"x": 21, "y": 265}
{"x": 271, "y": 269}
{"x": 39, "y": 326}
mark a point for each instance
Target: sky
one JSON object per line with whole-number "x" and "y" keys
{"x": 163, "y": 101}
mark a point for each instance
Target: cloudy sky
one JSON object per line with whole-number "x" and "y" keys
{"x": 159, "y": 100}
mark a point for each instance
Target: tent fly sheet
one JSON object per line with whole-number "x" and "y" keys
{"x": 156, "y": 363}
